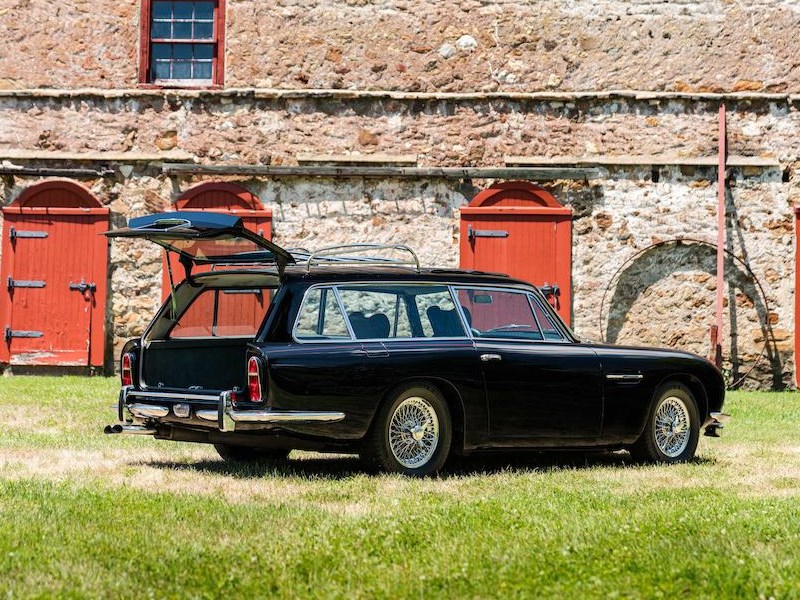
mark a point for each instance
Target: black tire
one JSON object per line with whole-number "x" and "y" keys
{"x": 672, "y": 429}
{"x": 396, "y": 448}
{"x": 244, "y": 454}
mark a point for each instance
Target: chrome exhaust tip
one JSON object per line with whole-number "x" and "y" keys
{"x": 129, "y": 429}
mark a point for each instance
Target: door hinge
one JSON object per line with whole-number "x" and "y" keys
{"x": 493, "y": 233}
{"x": 17, "y": 333}
{"x": 14, "y": 234}
{"x": 12, "y": 283}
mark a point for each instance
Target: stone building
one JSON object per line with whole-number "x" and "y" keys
{"x": 379, "y": 120}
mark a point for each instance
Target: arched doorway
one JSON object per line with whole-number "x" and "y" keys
{"x": 519, "y": 228}
{"x": 53, "y": 277}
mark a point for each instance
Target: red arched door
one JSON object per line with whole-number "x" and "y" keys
{"x": 226, "y": 198}
{"x": 520, "y": 229}
{"x": 53, "y": 277}
{"x": 231, "y": 199}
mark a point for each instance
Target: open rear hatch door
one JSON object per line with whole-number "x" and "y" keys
{"x": 205, "y": 238}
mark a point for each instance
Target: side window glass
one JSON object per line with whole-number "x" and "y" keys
{"x": 499, "y": 314}
{"x": 320, "y": 317}
{"x": 549, "y": 329}
{"x": 376, "y": 313}
{"x": 438, "y": 315}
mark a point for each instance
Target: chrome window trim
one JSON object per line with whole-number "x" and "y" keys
{"x": 320, "y": 286}
{"x": 342, "y": 310}
{"x": 532, "y": 299}
{"x": 337, "y": 285}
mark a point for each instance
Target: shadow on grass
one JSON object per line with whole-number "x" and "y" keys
{"x": 336, "y": 467}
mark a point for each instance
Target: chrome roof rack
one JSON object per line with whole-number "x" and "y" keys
{"x": 351, "y": 254}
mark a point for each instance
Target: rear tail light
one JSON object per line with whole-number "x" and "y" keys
{"x": 126, "y": 369}
{"x": 254, "y": 379}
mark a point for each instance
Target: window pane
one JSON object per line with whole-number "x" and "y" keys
{"x": 204, "y": 30}
{"x": 438, "y": 315}
{"x": 182, "y": 10}
{"x": 181, "y": 70}
{"x": 182, "y": 30}
{"x": 546, "y": 322}
{"x": 182, "y": 51}
{"x": 376, "y": 314}
{"x": 161, "y": 31}
{"x": 204, "y": 10}
{"x": 203, "y": 51}
{"x": 499, "y": 314}
{"x": 161, "y": 70}
{"x": 162, "y": 50}
{"x": 162, "y": 10}
{"x": 202, "y": 70}
{"x": 320, "y": 317}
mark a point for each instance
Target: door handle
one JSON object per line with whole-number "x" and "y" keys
{"x": 490, "y": 357}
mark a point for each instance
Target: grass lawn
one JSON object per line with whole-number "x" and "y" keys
{"x": 88, "y": 515}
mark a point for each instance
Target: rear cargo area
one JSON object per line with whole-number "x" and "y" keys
{"x": 195, "y": 364}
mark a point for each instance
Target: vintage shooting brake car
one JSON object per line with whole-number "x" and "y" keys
{"x": 259, "y": 351}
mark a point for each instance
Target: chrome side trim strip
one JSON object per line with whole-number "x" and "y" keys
{"x": 174, "y": 395}
{"x": 625, "y": 377}
{"x": 268, "y": 416}
{"x": 148, "y": 410}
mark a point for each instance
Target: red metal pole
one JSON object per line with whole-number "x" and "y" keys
{"x": 723, "y": 155}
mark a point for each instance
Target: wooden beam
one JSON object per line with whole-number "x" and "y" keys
{"x": 523, "y": 173}
{"x": 634, "y": 160}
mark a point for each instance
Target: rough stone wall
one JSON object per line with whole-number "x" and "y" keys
{"x": 633, "y": 286}
{"x": 385, "y": 68}
{"x": 625, "y": 290}
{"x": 475, "y": 45}
{"x": 255, "y": 128}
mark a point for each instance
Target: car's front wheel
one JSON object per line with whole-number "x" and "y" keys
{"x": 672, "y": 429}
{"x": 412, "y": 432}
{"x": 243, "y": 454}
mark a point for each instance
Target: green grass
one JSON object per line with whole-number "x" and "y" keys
{"x": 87, "y": 515}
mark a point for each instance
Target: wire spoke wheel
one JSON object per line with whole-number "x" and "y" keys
{"x": 672, "y": 430}
{"x": 673, "y": 426}
{"x": 413, "y": 432}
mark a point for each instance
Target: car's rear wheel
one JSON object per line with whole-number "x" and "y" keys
{"x": 244, "y": 454}
{"x": 412, "y": 432}
{"x": 672, "y": 429}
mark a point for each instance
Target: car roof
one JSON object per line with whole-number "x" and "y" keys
{"x": 335, "y": 274}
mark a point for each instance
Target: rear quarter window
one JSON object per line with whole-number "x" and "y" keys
{"x": 320, "y": 317}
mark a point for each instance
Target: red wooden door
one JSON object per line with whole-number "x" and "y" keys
{"x": 53, "y": 275}
{"x": 234, "y": 200}
{"x": 520, "y": 229}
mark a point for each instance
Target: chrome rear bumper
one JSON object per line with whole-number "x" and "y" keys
{"x": 141, "y": 418}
